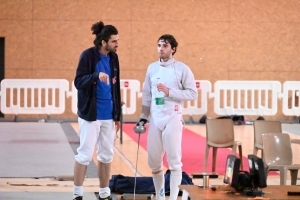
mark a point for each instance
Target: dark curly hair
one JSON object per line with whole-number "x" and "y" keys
{"x": 170, "y": 39}
{"x": 102, "y": 32}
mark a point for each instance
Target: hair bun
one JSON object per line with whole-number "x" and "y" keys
{"x": 97, "y": 27}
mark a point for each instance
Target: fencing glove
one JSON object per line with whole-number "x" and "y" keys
{"x": 142, "y": 122}
{"x": 144, "y": 116}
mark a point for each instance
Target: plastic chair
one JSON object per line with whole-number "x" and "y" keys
{"x": 220, "y": 134}
{"x": 278, "y": 156}
{"x": 261, "y": 127}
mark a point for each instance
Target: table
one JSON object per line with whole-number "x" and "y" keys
{"x": 194, "y": 192}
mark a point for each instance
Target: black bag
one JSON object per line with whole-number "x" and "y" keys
{"x": 144, "y": 185}
{"x": 244, "y": 181}
{"x": 202, "y": 120}
{"x": 125, "y": 184}
{"x": 237, "y": 119}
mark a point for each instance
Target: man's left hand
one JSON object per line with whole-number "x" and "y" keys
{"x": 117, "y": 126}
{"x": 162, "y": 88}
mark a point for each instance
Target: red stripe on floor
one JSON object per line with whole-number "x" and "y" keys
{"x": 193, "y": 151}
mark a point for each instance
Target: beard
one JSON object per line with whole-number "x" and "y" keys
{"x": 111, "y": 49}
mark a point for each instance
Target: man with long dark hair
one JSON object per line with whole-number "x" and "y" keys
{"x": 99, "y": 107}
{"x": 168, "y": 84}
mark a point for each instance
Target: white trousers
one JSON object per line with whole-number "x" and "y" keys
{"x": 168, "y": 140}
{"x": 98, "y": 133}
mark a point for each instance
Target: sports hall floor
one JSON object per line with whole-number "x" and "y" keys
{"x": 33, "y": 156}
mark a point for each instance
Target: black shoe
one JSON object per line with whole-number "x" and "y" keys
{"x": 78, "y": 198}
{"x": 106, "y": 198}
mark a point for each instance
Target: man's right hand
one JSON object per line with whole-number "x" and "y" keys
{"x": 104, "y": 77}
{"x": 142, "y": 122}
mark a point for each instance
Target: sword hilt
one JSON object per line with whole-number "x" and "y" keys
{"x": 139, "y": 129}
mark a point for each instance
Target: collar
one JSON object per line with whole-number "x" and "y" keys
{"x": 168, "y": 62}
{"x": 112, "y": 55}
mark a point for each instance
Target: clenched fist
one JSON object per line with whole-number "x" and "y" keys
{"x": 104, "y": 77}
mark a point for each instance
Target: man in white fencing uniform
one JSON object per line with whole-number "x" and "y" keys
{"x": 176, "y": 82}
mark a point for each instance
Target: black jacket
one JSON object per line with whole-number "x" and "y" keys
{"x": 86, "y": 84}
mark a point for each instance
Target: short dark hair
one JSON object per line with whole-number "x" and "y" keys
{"x": 170, "y": 39}
{"x": 102, "y": 32}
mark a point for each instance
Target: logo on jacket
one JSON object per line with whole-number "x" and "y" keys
{"x": 114, "y": 80}
{"x": 176, "y": 108}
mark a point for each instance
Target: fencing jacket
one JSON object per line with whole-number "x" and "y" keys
{"x": 181, "y": 83}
